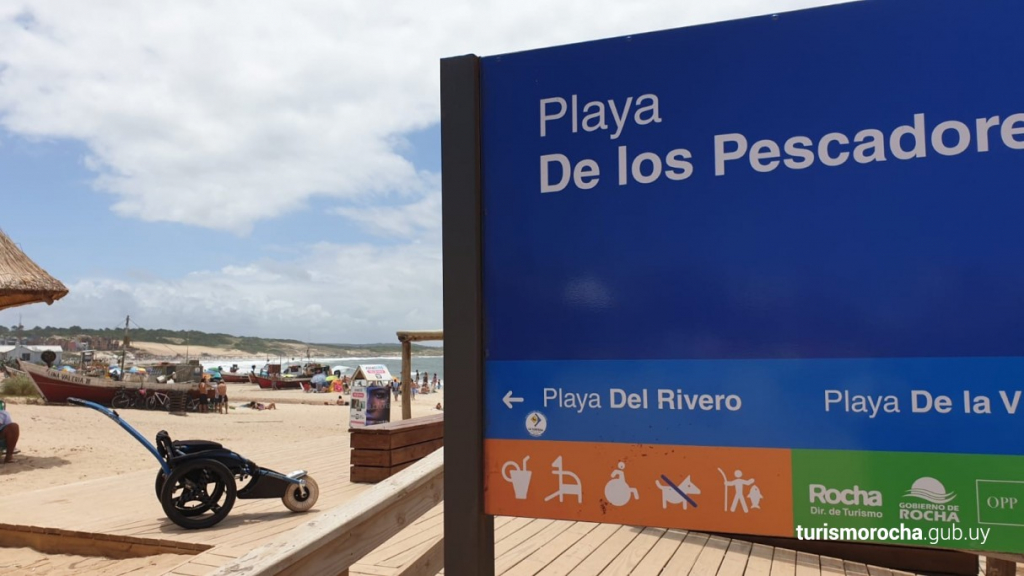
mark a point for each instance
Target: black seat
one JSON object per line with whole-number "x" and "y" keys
{"x": 193, "y": 446}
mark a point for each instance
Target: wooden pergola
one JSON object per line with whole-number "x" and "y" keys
{"x": 22, "y": 281}
{"x": 407, "y": 337}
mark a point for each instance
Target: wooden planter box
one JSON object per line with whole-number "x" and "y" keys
{"x": 383, "y": 450}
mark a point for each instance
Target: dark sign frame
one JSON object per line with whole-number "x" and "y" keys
{"x": 469, "y": 544}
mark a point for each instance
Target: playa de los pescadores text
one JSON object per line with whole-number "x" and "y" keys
{"x": 915, "y": 139}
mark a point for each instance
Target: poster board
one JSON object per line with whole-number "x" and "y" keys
{"x": 371, "y": 395}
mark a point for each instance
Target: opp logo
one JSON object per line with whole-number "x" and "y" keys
{"x": 850, "y": 496}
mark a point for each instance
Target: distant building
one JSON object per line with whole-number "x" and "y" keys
{"x": 30, "y": 353}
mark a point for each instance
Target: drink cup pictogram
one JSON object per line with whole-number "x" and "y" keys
{"x": 518, "y": 476}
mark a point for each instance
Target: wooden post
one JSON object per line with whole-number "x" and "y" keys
{"x": 406, "y": 378}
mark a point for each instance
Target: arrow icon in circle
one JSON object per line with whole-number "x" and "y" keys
{"x": 508, "y": 399}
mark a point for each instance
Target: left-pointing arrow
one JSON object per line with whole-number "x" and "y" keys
{"x": 508, "y": 399}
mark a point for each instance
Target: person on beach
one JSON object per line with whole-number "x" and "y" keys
{"x": 204, "y": 397}
{"x": 319, "y": 381}
{"x": 9, "y": 433}
{"x": 222, "y": 397}
{"x": 438, "y": 407}
{"x": 261, "y": 406}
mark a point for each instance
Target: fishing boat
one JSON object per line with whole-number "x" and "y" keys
{"x": 277, "y": 381}
{"x": 276, "y": 377}
{"x": 56, "y": 386}
{"x": 234, "y": 375}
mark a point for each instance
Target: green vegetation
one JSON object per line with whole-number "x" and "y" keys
{"x": 244, "y": 343}
{"x": 18, "y": 386}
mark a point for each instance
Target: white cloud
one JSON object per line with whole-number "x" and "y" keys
{"x": 354, "y": 293}
{"x": 250, "y": 110}
{"x": 191, "y": 107}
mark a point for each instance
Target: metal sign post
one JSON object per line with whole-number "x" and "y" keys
{"x": 469, "y": 541}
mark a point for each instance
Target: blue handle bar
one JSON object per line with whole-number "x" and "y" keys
{"x": 138, "y": 436}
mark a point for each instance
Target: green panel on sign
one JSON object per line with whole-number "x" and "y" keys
{"x": 963, "y": 501}
{"x": 1001, "y": 502}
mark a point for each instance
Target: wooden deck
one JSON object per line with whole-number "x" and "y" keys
{"x": 528, "y": 547}
{"x": 122, "y": 516}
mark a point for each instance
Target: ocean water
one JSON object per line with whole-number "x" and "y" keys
{"x": 429, "y": 364}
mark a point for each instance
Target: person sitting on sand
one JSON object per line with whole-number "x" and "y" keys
{"x": 438, "y": 407}
{"x": 261, "y": 406}
{"x": 9, "y": 433}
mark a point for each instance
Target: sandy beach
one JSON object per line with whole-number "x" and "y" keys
{"x": 66, "y": 444}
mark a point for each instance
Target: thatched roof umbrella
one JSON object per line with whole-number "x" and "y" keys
{"x": 22, "y": 281}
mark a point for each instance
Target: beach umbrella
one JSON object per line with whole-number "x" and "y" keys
{"x": 22, "y": 281}
{"x": 67, "y": 369}
{"x": 332, "y": 378}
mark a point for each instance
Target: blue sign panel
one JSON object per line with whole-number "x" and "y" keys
{"x": 798, "y": 231}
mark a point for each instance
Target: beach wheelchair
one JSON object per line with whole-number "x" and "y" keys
{"x": 199, "y": 480}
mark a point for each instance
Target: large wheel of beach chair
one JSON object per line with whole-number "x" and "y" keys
{"x": 300, "y": 499}
{"x": 160, "y": 479}
{"x": 198, "y": 494}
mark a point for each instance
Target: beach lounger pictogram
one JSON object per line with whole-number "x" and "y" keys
{"x": 564, "y": 488}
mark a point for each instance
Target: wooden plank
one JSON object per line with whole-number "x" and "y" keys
{"x": 511, "y": 557}
{"x": 391, "y": 427}
{"x": 334, "y": 540}
{"x": 386, "y": 458}
{"x": 999, "y": 567}
{"x": 855, "y": 568}
{"x": 879, "y": 571}
{"x": 368, "y": 457}
{"x": 428, "y": 564}
{"x": 370, "y": 441}
{"x": 578, "y": 552}
{"x": 407, "y": 545}
{"x": 510, "y": 527}
{"x": 416, "y": 435}
{"x": 370, "y": 570}
{"x": 373, "y": 474}
{"x": 831, "y": 566}
{"x": 600, "y": 558}
{"x": 519, "y": 536}
{"x": 783, "y": 562}
{"x": 710, "y": 557}
{"x": 391, "y": 440}
{"x": 735, "y": 561}
{"x": 660, "y": 554}
{"x": 419, "y": 335}
{"x": 910, "y": 558}
{"x": 60, "y": 541}
{"x": 807, "y": 564}
{"x": 686, "y": 555}
{"x": 759, "y": 563}
{"x": 551, "y": 550}
{"x": 414, "y": 452}
{"x": 634, "y": 553}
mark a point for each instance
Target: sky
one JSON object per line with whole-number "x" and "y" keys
{"x": 267, "y": 169}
